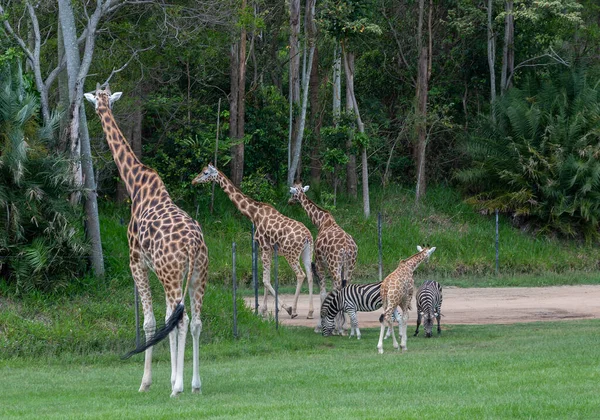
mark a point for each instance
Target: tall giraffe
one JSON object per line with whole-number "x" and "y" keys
{"x": 163, "y": 238}
{"x": 293, "y": 239}
{"x": 397, "y": 290}
{"x": 334, "y": 248}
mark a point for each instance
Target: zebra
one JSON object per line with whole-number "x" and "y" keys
{"x": 350, "y": 299}
{"x": 429, "y": 305}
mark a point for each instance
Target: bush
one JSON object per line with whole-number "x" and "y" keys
{"x": 536, "y": 158}
{"x": 41, "y": 244}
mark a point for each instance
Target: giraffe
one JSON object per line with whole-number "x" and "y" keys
{"x": 334, "y": 248}
{"x": 397, "y": 290}
{"x": 164, "y": 239}
{"x": 293, "y": 239}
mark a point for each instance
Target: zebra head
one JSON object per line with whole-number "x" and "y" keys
{"x": 329, "y": 310}
{"x": 428, "y": 318}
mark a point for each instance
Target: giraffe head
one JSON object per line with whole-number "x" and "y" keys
{"x": 426, "y": 250}
{"x": 296, "y": 192}
{"x": 102, "y": 98}
{"x": 208, "y": 174}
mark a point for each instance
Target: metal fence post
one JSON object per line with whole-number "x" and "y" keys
{"x": 497, "y": 243}
{"x": 275, "y": 269}
{"x": 379, "y": 244}
{"x": 233, "y": 255}
{"x": 255, "y": 271}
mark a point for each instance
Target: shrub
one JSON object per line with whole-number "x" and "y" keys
{"x": 537, "y": 157}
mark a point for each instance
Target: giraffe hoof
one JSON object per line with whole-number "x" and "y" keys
{"x": 289, "y": 311}
{"x": 293, "y": 315}
{"x": 144, "y": 388}
{"x": 196, "y": 391}
{"x": 310, "y": 315}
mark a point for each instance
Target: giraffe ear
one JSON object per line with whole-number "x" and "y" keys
{"x": 115, "y": 97}
{"x": 419, "y": 248}
{"x": 306, "y": 188}
{"x": 90, "y": 98}
{"x": 292, "y": 190}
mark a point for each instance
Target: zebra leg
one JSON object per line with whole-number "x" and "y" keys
{"x": 418, "y": 323}
{"x": 438, "y": 321}
{"x": 354, "y": 324}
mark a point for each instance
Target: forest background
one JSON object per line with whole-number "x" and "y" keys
{"x": 497, "y": 101}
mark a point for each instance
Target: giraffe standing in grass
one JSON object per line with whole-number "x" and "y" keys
{"x": 334, "y": 248}
{"x": 397, "y": 290}
{"x": 163, "y": 238}
{"x": 293, "y": 239}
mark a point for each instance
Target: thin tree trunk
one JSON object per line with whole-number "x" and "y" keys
{"x": 422, "y": 88}
{"x": 508, "y": 52}
{"x": 315, "y": 121}
{"x": 361, "y": 129}
{"x": 491, "y": 50}
{"x": 238, "y": 94}
{"x": 351, "y": 178}
{"x": 77, "y": 69}
{"x": 294, "y": 81}
{"x": 337, "y": 85}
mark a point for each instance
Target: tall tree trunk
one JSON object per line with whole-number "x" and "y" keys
{"x": 315, "y": 121}
{"x": 349, "y": 70}
{"x": 237, "y": 106}
{"x": 77, "y": 70}
{"x": 337, "y": 85}
{"x": 491, "y": 50}
{"x": 351, "y": 178}
{"x": 294, "y": 81}
{"x": 508, "y": 51}
{"x": 310, "y": 30}
{"x": 422, "y": 88}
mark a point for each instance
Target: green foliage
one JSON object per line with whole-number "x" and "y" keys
{"x": 259, "y": 187}
{"x": 539, "y": 158}
{"x": 347, "y": 19}
{"x": 41, "y": 246}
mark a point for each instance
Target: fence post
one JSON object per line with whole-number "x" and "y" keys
{"x": 497, "y": 243}
{"x": 275, "y": 269}
{"x": 379, "y": 245}
{"x": 233, "y": 255}
{"x": 255, "y": 272}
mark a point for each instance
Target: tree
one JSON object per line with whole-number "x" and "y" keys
{"x": 39, "y": 244}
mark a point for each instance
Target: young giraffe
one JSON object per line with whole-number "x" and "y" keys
{"x": 397, "y": 290}
{"x": 163, "y": 238}
{"x": 334, "y": 248}
{"x": 293, "y": 239}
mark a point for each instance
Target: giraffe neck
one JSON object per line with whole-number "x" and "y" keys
{"x": 247, "y": 206}
{"x": 414, "y": 261}
{"x": 317, "y": 215}
{"x": 128, "y": 164}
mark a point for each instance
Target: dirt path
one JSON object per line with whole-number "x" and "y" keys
{"x": 481, "y": 306}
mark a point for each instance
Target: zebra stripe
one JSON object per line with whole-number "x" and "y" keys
{"x": 350, "y": 299}
{"x": 429, "y": 305}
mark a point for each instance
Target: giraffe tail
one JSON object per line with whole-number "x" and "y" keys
{"x": 163, "y": 332}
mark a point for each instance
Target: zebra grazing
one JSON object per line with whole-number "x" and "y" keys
{"x": 350, "y": 299}
{"x": 429, "y": 305}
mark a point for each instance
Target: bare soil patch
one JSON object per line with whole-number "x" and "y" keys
{"x": 504, "y": 305}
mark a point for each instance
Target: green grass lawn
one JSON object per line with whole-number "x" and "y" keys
{"x": 539, "y": 370}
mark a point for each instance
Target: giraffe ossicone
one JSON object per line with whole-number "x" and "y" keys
{"x": 293, "y": 239}
{"x": 162, "y": 238}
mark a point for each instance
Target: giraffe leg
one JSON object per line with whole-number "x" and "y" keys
{"x": 319, "y": 264}
{"x": 196, "y": 297}
{"x": 266, "y": 260}
{"x": 306, "y": 260}
{"x": 181, "y": 336}
{"x": 172, "y": 345}
{"x": 404, "y": 321}
{"x": 139, "y": 271}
